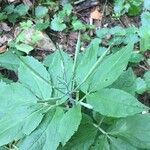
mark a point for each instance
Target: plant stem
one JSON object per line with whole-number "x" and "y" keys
{"x": 75, "y": 59}
{"x": 100, "y": 129}
{"x": 51, "y": 99}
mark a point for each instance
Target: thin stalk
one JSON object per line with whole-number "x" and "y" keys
{"x": 93, "y": 68}
{"x": 75, "y": 60}
{"x": 84, "y": 97}
{"x": 51, "y": 99}
{"x": 77, "y": 95}
{"x": 101, "y": 130}
{"x": 85, "y": 105}
{"x": 63, "y": 65}
{"x": 101, "y": 121}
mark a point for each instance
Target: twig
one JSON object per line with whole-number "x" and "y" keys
{"x": 103, "y": 11}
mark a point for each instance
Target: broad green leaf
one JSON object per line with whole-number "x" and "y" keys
{"x": 101, "y": 143}
{"x": 60, "y": 68}
{"x": 145, "y": 35}
{"x": 134, "y": 129}
{"x": 140, "y": 85}
{"x": 119, "y": 6}
{"x": 42, "y": 25}
{"x": 40, "y": 11}
{"x": 69, "y": 123}
{"x": 135, "y": 7}
{"x": 26, "y": 24}
{"x": 102, "y": 33}
{"x": 14, "y": 94}
{"x": 9, "y": 60}
{"x": 136, "y": 57}
{"x": 109, "y": 70}
{"x": 119, "y": 144}
{"x": 57, "y": 24}
{"x": 84, "y": 137}
{"x": 20, "y": 121}
{"x": 24, "y": 48}
{"x": 9, "y": 9}
{"x": 78, "y": 25}
{"x": 118, "y": 31}
{"x": 147, "y": 80}
{"x": 67, "y": 9}
{"x": 46, "y": 136}
{"x": 144, "y": 31}
{"x": 35, "y": 76}
{"x": 89, "y": 57}
{"x": 21, "y": 9}
{"x": 108, "y": 103}
{"x": 126, "y": 82}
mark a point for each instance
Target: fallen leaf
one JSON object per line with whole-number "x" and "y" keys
{"x": 96, "y": 14}
{"x": 3, "y": 49}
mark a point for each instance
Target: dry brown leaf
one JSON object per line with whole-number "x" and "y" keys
{"x": 3, "y": 49}
{"x": 96, "y": 14}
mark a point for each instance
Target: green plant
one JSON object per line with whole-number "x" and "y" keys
{"x": 61, "y": 20}
{"x": 132, "y": 7}
{"x": 12, "y": 13}
{"x": 68, "y": 103}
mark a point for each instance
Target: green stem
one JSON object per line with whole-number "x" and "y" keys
{"x": 100, "y": 129}
{"x": 51, "y": 99}
{"x": 84, "y": 97}
{"x": 75, "y": 60}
